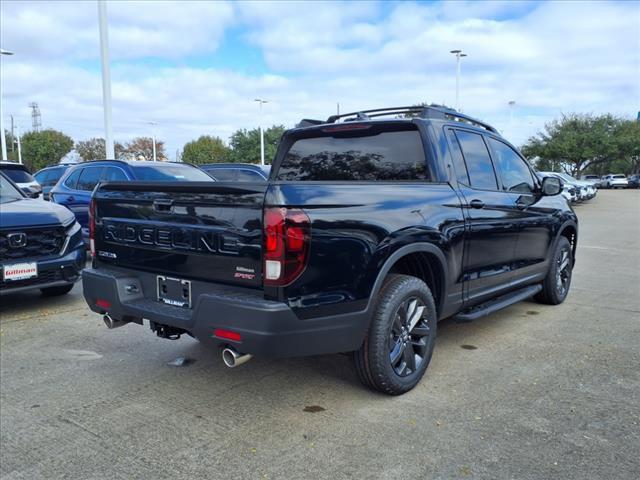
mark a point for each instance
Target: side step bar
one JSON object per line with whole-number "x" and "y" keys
{"x": 496, "y": 304}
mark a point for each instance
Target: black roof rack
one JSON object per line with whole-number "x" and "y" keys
{"x": 428, "y": 111}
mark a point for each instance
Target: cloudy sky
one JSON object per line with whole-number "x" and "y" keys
{"x": 196, "y": 67}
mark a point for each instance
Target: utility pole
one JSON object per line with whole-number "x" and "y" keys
{"x": 3, "y": 138}
{"x": 13, "y": 136}
{"x": 36, "y": 118}
{"x": 459, "y": 55}
{"x": 106, "y": 78}
{"x": 261, "y": 101}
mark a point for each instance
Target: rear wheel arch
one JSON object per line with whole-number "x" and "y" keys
{"x": 421, "y": 260}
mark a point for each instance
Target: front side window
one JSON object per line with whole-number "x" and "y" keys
{"x": 477, "y": 160}
{"x": 359, "y": 156}
{"x": 89, "y": 178}
{"x": 515, "y": 174}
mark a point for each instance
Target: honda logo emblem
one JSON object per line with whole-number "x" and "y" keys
{"x": 17, "y": 240}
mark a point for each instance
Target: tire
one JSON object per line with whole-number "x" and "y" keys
{"x": 555, "y": 286}
{"x": 404, "y": 321}
{"x": 56, "y": 291}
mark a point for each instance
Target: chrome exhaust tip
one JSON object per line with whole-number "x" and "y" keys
{"x": 111, "y": 323}
{"x": 232, "y": 359}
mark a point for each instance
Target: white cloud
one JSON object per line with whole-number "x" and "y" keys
{"x": 551, "y": 57}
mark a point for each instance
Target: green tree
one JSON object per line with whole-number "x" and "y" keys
{"x": 95, "y": 149}
{"x": 141, "y": 148}
{"x": 576, "y": 143}
{"x": 45, "y": 148}
{"x": 206, "y": 149}
{"x": 245, "y": 144}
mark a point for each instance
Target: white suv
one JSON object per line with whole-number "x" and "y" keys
{"x": 616, "y": 181}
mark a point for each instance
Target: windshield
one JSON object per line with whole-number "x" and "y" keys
{"x": 18, "y": 175}
{"x": 8, "y": 192}
{"x": 618, "y": 176}
{"x": 169, "y": 173}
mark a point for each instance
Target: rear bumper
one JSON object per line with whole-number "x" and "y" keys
{"x": 267, "y": 328}
{"x": 52, "y": 272}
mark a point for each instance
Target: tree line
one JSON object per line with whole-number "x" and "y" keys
{"x": 581, "y": 144}
{"x": 48, "y": 147}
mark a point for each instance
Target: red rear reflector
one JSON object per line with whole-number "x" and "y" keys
{"x": 227, "y": 334}
{"x": 103, "y": 304}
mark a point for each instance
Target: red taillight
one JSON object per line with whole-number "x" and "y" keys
{"x": 287, "y": 235}
{"x": 227, "y": 334}
{"x": 92, "y": 227}
{"x": 106, "y": 304}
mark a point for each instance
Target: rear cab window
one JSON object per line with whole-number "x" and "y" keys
{"x": 356, "y": 152}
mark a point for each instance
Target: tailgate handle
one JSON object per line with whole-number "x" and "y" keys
{"x": 162, "y": 205}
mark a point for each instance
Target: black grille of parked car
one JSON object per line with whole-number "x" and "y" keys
{"x": 46, "y": 276}
{"x": 18, "y": 244}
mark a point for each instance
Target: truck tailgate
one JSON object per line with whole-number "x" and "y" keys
{"x": 191, "y": 230}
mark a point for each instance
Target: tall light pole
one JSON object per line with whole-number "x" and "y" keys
{"x": 459, "y": 55}
{"x": 106, "y": 78}
{"x": 4, "y": 139}
{"x": 153, "y": 132}
{"x": 19, "y": 145}
{"x": 261, "y": 101}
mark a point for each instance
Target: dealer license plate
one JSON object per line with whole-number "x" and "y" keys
{"x": 19, "y": 271}
{"x": 174, "y": 291}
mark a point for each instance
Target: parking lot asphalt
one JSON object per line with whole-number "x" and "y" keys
{"x": 532, "y": 392}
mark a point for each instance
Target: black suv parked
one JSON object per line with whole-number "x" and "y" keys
{"x": 368, "y": 232}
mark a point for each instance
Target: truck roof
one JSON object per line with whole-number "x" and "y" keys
{"x": 428, "y": 112}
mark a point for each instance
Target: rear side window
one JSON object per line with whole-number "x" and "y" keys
{"x": 72, "y": 179}
{"x": 169, "y": 173}
{"x": 43, "y": 177}
{"x": 89, "y": 178}
{"x": 389, "y": 155}
{"x": 223, "y": 174}
{"x": 477, "y": 160}
{"x": 249, "y": 176}
{"x": 114, "y": 174}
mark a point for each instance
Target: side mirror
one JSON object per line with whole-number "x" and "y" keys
{"x": 551, "y": 186}
{"x": 30, "y": 192}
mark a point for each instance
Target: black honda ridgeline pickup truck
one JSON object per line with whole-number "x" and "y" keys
{"x": 368, "y": 231}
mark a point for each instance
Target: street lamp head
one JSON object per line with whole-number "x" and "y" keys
{"x": 512, "y": 103}
{"x": 463, "y": 55}
{"x": 456, "y": 51}
{"x": 5, "y": 52}
{"x": 260, "y": 100}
